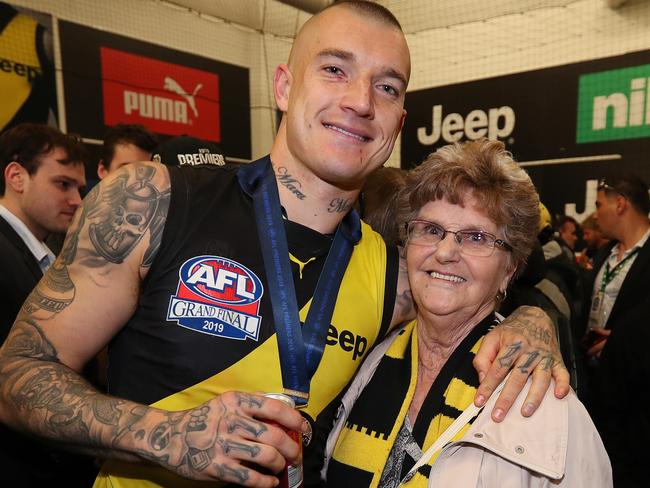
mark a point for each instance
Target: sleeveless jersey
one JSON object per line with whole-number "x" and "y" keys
{"x": 204, "y": 323}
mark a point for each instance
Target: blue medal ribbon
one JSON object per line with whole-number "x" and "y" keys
{"x": 300, "y": 349}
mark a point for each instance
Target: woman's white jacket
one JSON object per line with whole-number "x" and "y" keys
{"x": 557, "y": 447}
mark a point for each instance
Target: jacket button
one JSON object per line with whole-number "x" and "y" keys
{"x": 519, "y": 449}
{"x": 478, "y": 434}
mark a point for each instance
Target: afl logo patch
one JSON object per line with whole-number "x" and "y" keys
{"x": 217, "y": 296}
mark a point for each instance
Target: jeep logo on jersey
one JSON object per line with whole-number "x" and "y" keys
{"x": 614, "y": 104}
{"x": 165, "y": 97}
{"x": 496, "y": 123}
{"x": 217, "y": 296}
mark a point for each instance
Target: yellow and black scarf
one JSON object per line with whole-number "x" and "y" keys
{"x": 366, "y": 440}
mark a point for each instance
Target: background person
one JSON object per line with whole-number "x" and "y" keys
{"x": 617, "y": 281}
{"x": 150, "y": 236}
{"x": 472, "y": 217}
{"x": 124, "y": 144}
{"x": 622, "y": 372}
{"x": 41, "y": 174}
{"x": 562, "y": 269}
{"x": 594, "y": 241}
{"x": 568, "y": 233}
{"x": 378, "y": 202}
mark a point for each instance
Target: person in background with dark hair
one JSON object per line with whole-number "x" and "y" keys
{"x": 568, "y": 233}
{"x": 124, "y": 144}
{"x": 378, "y": 202}
{"x": 188, "y": 272}
{"x": 618, "y": 332}
{"x": 562, "y": 269}
{"x": 618, "y": 282}
{"x": 41, "y": 173}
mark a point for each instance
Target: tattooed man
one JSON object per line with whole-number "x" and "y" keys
{"x": 184, "y": 270}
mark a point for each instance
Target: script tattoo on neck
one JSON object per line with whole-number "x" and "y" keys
{"x": 290, "y": 183}
{"x": 340, "y": 205}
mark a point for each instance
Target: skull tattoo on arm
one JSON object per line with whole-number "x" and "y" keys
{"x": 129, "y": 211}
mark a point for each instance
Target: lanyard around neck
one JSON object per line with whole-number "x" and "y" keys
{"x": 609, "y": 275}
{"x": 300, "y": 349}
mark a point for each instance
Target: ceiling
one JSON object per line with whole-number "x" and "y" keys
{"x": 283, "y": 18}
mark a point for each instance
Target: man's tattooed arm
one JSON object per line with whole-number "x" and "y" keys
{"x": 205, "y": 442}
{"x": 539, "y": 334}
{"x": 84, "y": 299}
{"x": 526, "y": 343}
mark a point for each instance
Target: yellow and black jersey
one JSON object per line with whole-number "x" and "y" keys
{"x": 204, "y": 323}
{"x": 26, "y": 76}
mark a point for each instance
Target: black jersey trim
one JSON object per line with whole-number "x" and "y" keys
{"x": 390, "y": 289}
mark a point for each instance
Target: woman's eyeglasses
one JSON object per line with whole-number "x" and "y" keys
{"x": 471, "y": 242}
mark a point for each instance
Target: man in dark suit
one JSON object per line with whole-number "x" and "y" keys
{"x": 621, "y": 270}
{"x": 621, "y": 378}
{"x": 41, "y": 173}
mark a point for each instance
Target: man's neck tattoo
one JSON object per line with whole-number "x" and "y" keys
{"x": 290, "y": 183}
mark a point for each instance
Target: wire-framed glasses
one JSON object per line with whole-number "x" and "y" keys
{"x": 471, "y": 242}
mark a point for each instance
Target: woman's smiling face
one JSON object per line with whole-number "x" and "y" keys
{"x": 445, "y": 282}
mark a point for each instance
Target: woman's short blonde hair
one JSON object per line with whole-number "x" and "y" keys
{"x": 501, "y": 188}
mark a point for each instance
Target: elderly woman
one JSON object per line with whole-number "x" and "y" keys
{"x": 471, "y": 219}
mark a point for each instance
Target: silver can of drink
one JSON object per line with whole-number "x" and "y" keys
{"x": 291, "y": 476}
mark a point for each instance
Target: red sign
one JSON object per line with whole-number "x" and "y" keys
{"x": 166, "y": 98}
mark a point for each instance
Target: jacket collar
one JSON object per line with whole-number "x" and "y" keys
{"x": 538, "y": 443}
